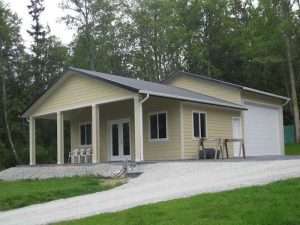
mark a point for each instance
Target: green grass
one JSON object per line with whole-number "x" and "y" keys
{"x": 273, "y": 204}
{"x": 15, "y": 194}
{"x": 292, "y": 149}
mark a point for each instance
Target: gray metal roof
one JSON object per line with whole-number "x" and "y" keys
{"x": 158, "y": 89}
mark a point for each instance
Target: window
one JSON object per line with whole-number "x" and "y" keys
{"x": 158, "y": 126}
{"x": 199, "y": 122}
{"x": 85, "y": 134}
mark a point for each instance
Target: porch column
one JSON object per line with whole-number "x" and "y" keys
{"x": 32, "y": 144}
{"x": 138, "y": 130}
{"x": 60, "y": 138}
{"x": 96, "y": 133}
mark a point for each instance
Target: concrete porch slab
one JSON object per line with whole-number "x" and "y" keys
{"x": 54, "y": 171}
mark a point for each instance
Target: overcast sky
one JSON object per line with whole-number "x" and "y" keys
{"x": 50, "y": 16}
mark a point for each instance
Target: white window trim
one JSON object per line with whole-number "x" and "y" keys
{"x": 79, "y": 127}
{"x": 149, "y": 127}
{"x": 199, "y": 112}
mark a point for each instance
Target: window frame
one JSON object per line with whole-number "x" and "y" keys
{"x": 84, "y": 124}
{"x": 193, "y": 130}
{"x": 149, "y": 127}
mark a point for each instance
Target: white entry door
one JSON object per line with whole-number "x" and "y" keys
{"x": 119, "y": 139}
{"x": 236, "y": 133}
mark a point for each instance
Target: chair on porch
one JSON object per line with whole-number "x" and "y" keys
{"x": 74, "y": 156}
{"x": 88, "y": 155}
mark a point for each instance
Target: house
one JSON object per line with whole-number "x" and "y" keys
{"x": 122, "y": 118}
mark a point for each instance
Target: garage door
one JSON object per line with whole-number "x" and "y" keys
{"x": 262, "y": 130}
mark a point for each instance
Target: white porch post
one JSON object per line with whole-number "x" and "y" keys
{"x": 96, "y": 133}
{"x": 60, "y": 138}
{"x": 138, "y": 130}
{"x": 32, "y": 144}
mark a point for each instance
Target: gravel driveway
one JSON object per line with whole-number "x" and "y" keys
{"x": 159, "y": 182}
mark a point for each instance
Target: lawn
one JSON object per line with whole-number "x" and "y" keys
{"x": 274, "y": 204}
{"x": 292, "y": 149}
{"x": 15, "y": 194}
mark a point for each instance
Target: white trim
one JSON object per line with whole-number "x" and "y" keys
{"x": 265, "y": 93}
{"x": 109, "y": 140}
{"x": 181, "y": 130}
{"x": 86, "y": 105}
{"x": 32, "y": 142}
{"x": 197, "y": 104}
{"x": 60, "y": 137}
{"x": 79, "y": 127}
{"x": 259, "y": 103}
{"x": 199, "y": 112}
{"x": 241, "y": 130}
{"x": 233, "y": 106}
{"x": 281, "y": 131}
{"x": 149, "y": 127}
{"x": 95, "y": 133}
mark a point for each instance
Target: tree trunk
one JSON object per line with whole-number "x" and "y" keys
{"x": 293, "y": 89}
{"x": 6, "y": 121}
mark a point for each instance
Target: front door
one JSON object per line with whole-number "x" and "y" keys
{"x": 119, "y": 139}
{"x": 236, "y": 134}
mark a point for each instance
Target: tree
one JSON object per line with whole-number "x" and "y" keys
{"x": 38, "y": 33}
{"x": 10, "y": 51}
{"x": 81, "y": 16}
{"x": 288, "y": 33}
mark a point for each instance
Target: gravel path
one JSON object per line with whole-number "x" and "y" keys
{"x": 159, "y": 182}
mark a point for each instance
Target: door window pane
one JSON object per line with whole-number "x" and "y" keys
{"x": 162, "y": 125}
{"x": 88, "y": 128}
{"x": 126, "y": 139}
{"x": 115, "y": 140}
{"x": 153, "y": 126}
{"x": 82, "y": 134}
{"x": 203, "y": 124}
{"x": 86, "y": 134}
{"x": 196, "y": 124}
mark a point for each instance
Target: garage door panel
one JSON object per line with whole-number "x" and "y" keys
{"x": 262, "y": 126}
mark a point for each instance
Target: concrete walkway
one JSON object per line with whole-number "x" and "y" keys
{"x": 159, "y": 182}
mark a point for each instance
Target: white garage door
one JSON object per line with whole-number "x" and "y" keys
{"x": 262, "y": 130}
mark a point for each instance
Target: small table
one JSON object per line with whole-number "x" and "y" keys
{"x": 242, "y": 145}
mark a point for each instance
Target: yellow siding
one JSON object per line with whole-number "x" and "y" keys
{"x": 78, "y": 91}
{"x": 250, "y": 96}
{"x": 219, "y": 125}
{"x": 167, "y": 149}
{"x": 110, "y": 111}
{"x": 208, "y": 88}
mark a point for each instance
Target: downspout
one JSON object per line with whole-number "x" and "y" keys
{"x": 286, "y": 102}
{"x": 145, "y": 99}
{"x": 141, "y": 103}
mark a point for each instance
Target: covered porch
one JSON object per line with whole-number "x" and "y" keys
{"x": 106, "y": 131}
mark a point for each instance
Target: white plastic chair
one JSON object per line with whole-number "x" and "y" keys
{"x": 82, "y": 155}
{"x": 75, "y": 156}
{"x": 88, "y": 155}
